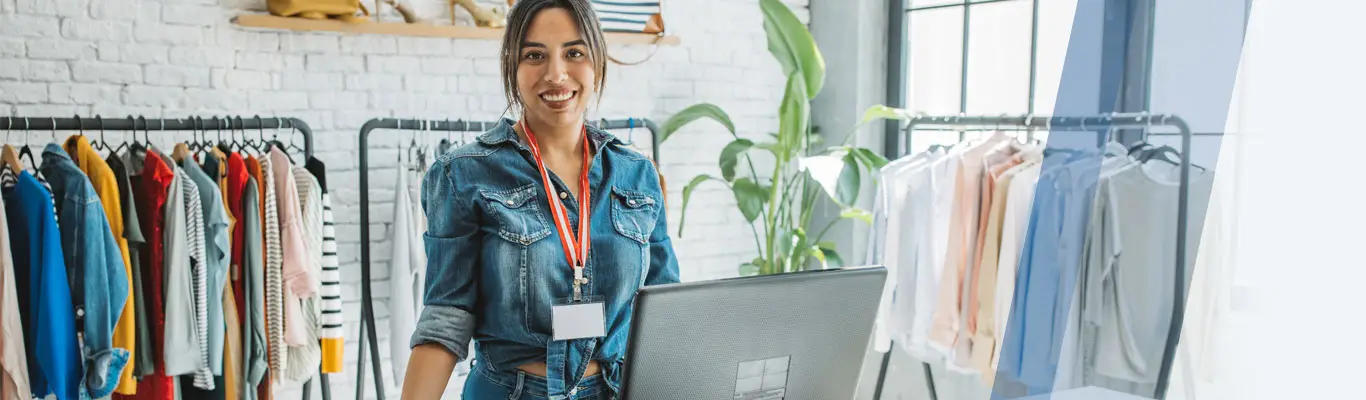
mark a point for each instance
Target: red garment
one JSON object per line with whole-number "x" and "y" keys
{"x": 150, "y": 195}
{"x": 237, "y": 182}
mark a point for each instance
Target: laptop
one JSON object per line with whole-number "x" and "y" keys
{"x": 792, "y": 336}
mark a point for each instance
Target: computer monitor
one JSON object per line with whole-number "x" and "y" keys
{"x": 792, "y": 336}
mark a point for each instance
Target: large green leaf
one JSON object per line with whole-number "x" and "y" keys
{"x": 687, "y": 194}
{"x": 824, "y": 169}
{"x": 832, "y": 257}
{"x": 791, "y": 244}
{"x": 730, "y": 157}
{"x": 846, "y": 189}
{"x": 750, "y": 197}
{"x": 883, "y": 112}
{"x": 815, "y": 251}
{"x": 791, "y": 43}
{"x": 794, "y": 114}
{"x": 693, "y": 113}
{"x": 869, "y": 159}
{"x": 754, "y": 267}
{"x": 858, "y": 214}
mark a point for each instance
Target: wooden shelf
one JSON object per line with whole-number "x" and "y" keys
{"x": 425, "y": 30}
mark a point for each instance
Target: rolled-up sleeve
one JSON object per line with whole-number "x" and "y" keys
{"x": 452, "y": 242}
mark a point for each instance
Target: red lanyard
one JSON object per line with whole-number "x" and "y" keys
{"x": 575, "y": 246}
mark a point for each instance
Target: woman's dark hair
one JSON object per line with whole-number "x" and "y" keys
{"x": 519, "y": 20}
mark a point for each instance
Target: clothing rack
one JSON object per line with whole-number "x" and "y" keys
{"x": 1100, "y": 124}
{"x": 367, "y": 328}
{"x": 91, "y": 127}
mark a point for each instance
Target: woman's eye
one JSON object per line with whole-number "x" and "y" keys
{"x": 533, "y": 56}
{"x": 576, "y": 54}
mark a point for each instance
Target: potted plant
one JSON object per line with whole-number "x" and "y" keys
{"x": 779, "y": 207}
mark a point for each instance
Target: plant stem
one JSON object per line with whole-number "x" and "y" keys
{"x": 770, "y": 225}
{"x": 826, "y": 229}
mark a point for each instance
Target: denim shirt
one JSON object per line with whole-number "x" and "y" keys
{"x": 95, "y": 266}
{"x": 495, "y": 265}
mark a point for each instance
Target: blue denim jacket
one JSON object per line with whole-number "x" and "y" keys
{"x": 95, "y": 267}
{"x": 495, "y": 265}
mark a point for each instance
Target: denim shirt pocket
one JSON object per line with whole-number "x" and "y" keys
{"x": 519, "y": 216}
{"x": 634, "y": 214}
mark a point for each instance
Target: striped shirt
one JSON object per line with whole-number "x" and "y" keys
{"x": 275, "y": 295}
{"x": 194, "y": 225}
{"x": 303, "y": 360}
{"x": 333, "y": 341}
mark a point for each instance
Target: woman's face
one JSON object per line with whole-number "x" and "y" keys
{"x": 554, "y": 73}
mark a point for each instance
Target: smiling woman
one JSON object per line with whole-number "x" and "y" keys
{"x": 511, "y": 218}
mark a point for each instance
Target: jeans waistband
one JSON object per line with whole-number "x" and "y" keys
{"x": 519, "y": 382}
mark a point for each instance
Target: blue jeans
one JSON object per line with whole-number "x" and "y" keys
{"x": 485, "y": 384}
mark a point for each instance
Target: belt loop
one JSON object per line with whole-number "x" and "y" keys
{"x": 521, "y": 385}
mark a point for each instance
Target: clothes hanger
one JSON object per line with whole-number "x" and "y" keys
{"x": 27, "y": 150}
{"x": 101, "y": 145}
{"x": 182, "y": 150}
{"x": 445, "y": 143}
{"x": 8, "y": 155}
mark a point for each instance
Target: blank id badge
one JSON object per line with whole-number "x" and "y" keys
{"x": 578, "y": 320}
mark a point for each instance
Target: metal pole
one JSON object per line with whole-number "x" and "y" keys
{"x": 1179, "y": 302}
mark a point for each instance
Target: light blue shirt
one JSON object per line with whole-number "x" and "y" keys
{"x": 216, "y": 250}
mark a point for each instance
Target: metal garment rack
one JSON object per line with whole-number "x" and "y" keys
{"x": 367, "y": 328}
{"x": 91, "y": 127}
{"x": 1099, "y": 123}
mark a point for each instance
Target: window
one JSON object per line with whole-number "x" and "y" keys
{"x": 982, "y": 57}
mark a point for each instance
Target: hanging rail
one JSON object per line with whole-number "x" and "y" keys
{"x": 197, "y": 124}
{"x": 97, "y": 123}
{"x": 1101, "y": 123}
{"x": 425, "y": 127}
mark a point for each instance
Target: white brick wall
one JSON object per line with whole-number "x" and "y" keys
{"x": 175, "y": 58}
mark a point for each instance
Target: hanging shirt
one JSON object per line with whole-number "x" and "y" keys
{"x": 54, "y": 358}
{"x": 106, "y": 186}
{"x": 333, "y": 341}
{"x": 94, "y": 263}
{"x": 151, "y": 184}
{"x": 141, "y": 362}
{"x": 1019, "y": 203}
{"x": 216, "y": 253}
{"x": 947, "y": 321}
{"x": 274, "y": 284}
{"x": 217, "y": 168}
{"x": 14, "y": 384}
{"x": 236, "y": 182}
{"x": 253, "y": 268}
{"x": 211, "y": 273}
{"x": 892, "y": 250}
{"x": 1133, "y": 325}
{"x": 984, "y": 337}
{"x": 406, "y": 276}
{"x": 299, "y": 281}
{"x": 186, "y": 346}
{"x": 305, "y": 360}
{"x": 929, "y": 265}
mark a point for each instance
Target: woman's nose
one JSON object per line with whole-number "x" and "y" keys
{"x": 556, "y": 72}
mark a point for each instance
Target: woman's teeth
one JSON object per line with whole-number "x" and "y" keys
{"x": 557, "y": 97}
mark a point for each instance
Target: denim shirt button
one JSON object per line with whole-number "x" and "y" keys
{"x": 510, "y": 202}
{"x": 631, "y": 202}
{"x": 80, "y": 312}
{"x": 564, "y": 195}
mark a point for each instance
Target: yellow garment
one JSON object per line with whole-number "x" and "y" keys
{"x": 232, "y": 348}
{"x": 107, "y": 187}
{"x": 232, "y": 344}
